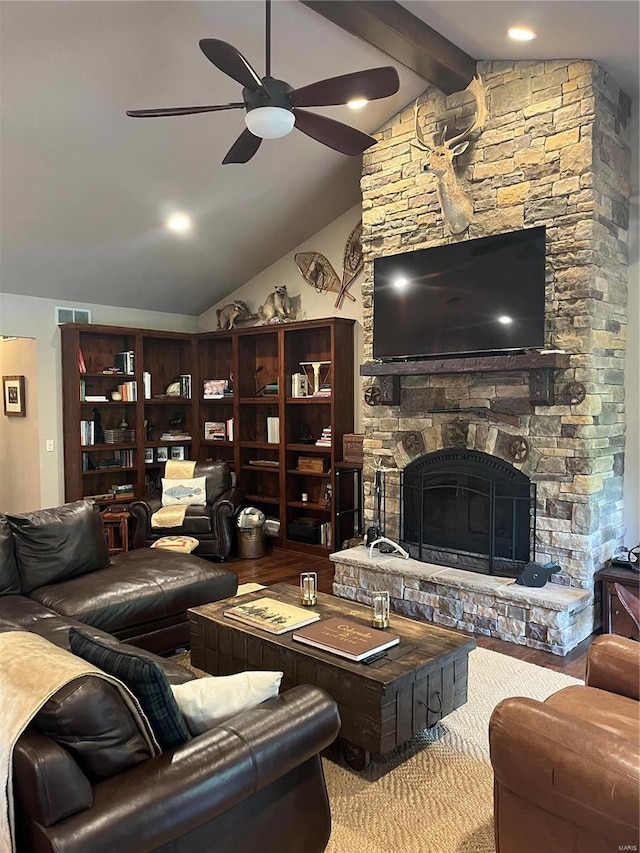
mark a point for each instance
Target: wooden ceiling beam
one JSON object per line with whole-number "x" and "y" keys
{"x": 391, "y": 28}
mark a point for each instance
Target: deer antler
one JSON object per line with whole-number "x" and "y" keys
{"x": 421, "y": 144}
{"x": 477, "y": 88}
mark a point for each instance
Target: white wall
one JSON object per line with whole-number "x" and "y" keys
{"x": 19, "y": 437}
{"x": 330, "y": 242}
{"x": 31, "y": 317}
{"x": 632, "y": 372}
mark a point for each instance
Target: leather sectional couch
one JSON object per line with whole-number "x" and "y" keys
{"x": 55, "y": 563}
{"x": 252, "y": 783}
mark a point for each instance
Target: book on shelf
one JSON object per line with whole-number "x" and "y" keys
{"x": 273, "y": 430}
{"x": 229, "y": 425}
{"x": 325, "y": 438}
{"x": 124, "y": 361}
{"x": 185, "y": 385}
{"x": 267, "y": 463}
{"x": 146, "y": 385}
{"x": 95, "y": 398}
{"x": 215, "y": 431}
{"x": 270, "y": 615}
{"x": 214, "y": 388}
{"x": 346, "y": 638}
{"x": 82, "y": 367}
{"x": 129, "y": 391}
{"x": 173, "y": 435}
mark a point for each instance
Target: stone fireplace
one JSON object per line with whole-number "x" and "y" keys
{"x": 468, "y": 510}
{"x": 507, "y": 479}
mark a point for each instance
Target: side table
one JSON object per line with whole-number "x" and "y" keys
{"x": 615, "y": 619}
{"x": 116, "y": 527}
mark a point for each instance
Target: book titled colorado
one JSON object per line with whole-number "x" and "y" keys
{"x": 346, "y": 638}
{"x": 270, "y": 615}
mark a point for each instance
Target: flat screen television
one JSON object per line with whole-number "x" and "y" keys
{"x": 475, "y": 296}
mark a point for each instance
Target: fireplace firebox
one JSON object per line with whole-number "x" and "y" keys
{"x": 468, "y": 510}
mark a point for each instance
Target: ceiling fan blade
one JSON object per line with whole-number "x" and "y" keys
{"x": 243, "y": 148}
{"x": 230, "y": 61}
{"x": 181, "y": 111}
{"x": 340, "y": 137}
{"x": 371, "y": 84}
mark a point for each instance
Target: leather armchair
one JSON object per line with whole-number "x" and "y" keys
{"x": 567, "y": 770}
{"x": 210, "y": 524}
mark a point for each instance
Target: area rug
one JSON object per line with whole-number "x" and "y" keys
{"x": 435, "y": 793}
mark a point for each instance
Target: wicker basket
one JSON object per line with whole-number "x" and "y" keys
{"x": 251, "y": 542}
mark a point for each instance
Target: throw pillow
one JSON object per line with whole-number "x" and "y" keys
{"x": 181, "y": 544}
{"x": 209, "y": 701}
{"x": 55, "y": 544}
{"x": 144, "y": 678}
{"x": 184, "y": 492}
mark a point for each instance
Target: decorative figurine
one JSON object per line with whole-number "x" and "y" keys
{"x": 228, "y": 314}
{"x": 277, "y": 305}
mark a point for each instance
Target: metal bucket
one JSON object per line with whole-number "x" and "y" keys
{"x": 251, "y": 542}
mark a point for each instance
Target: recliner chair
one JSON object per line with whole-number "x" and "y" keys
{"x": 567, "y": 770}
{"x": 210, "y": 524}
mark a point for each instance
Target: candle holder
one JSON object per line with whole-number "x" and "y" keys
{"x": 309, "y": 588}
{"x": 380, "y": 609}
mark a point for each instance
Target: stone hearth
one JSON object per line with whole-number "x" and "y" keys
{"x": 553, "y": 618}
{"x": 555, "y": 152}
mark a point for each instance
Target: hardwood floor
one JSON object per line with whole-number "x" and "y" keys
{"x": 285, "y": 567}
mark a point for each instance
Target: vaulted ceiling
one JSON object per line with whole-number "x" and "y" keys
{"x": 85, "y": 190}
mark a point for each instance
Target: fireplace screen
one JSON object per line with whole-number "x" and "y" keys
{"x": 468, "y": 510}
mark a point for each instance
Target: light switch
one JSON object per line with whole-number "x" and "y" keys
{"x": 50, "y": 444}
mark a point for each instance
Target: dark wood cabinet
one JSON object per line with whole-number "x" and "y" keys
{"x": 257, "y": 425}
{"x": 615, "y": 619}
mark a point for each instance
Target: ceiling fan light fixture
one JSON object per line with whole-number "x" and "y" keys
{"x": 357, "y": 103}
{"x": 270, "y": 122}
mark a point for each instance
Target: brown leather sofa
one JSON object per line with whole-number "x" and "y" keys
{"x": 209, "y": 524}
{"x": 567, "y": 770}
{"x": 253, "y": 783}
{"x": 55, "y": 563}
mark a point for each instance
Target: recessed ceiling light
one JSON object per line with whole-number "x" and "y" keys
{"x": 357, "y": 103}
{"x": 400, "y": 283}
{"x": 506, "y": 321}
{"x": 180, "y": 223}
{"x": 521, "y": 34}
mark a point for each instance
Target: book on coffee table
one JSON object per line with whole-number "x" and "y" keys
{"x": 270, "y": 615}
{"x": 346, "y": 638}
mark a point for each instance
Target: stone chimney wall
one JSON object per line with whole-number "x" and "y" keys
{"x": 555, "y": 151}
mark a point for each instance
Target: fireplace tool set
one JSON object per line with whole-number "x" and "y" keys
{"x": 374, "y": 537}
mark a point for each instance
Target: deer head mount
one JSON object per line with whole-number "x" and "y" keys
{"x": 456, "y": 206}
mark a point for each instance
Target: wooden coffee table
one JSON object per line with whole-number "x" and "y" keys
{"x": 381, "y": 705}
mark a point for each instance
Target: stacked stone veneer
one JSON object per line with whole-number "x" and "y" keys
{"x": 556, "y": 152}
{"x": 554, "y": 618}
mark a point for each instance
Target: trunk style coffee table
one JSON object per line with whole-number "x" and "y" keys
{"x": 382, "y": 704}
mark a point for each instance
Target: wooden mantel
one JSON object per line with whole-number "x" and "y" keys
{"x": 541, "y": 367}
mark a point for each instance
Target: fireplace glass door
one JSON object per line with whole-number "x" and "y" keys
{"x": 468, "y": 510}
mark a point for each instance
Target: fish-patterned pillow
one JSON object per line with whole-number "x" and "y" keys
{"x": 184, "y": 492}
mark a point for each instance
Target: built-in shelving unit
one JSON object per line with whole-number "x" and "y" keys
{"x": 256, "y": 364}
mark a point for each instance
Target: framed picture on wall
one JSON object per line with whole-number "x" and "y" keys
{"x": 13, "y": 395}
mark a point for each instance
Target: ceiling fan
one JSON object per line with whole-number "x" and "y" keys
{"x": 273, "y": 107}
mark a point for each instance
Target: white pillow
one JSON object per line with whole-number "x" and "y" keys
{"x": 206, "y": 702}
{"x": 184, "y": 492}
